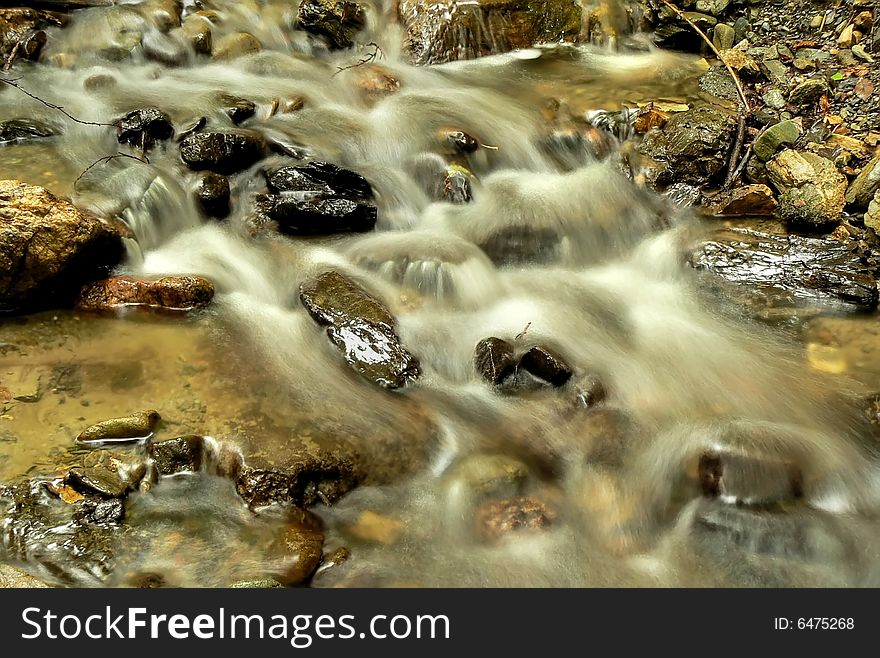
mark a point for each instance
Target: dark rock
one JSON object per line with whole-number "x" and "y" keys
{"x": 362, "y": 329}
{"x": 128, "y": 428}
{"x": 213, "y": 194}
{"x": 692, "y": 147}
{"x": 748, "y": 201}
{"x": 101, "y": 481}
{"x": 332, "y": 561}
{"x": 22, "y": 28}
{"x": 317, "y": 216}
{"x": 683, "y": 195}
{"x": 320, "y": 179}
{"x": 338, "y": 21}
{"x": 109, "y": 512}
{"x": 237, "y": 109}
{"x": 143, "y": 128}
{"x": 168, "y": 293}
{"x": 447, "y": 31}
{"x": 545, "y": 364}
{"x": 521, "y": 245}
{"x": 808, "y": 92}
{"x": 791, "y": 269}
{"x": 49, "y": 248}
{"x": 494, "y": 360}
{"x": 183, "y": 454}
{"x": 462, "y": 142}
{"x": 501, "y": 517}
{"x": 197, "y": 31}
{"x": 21, "y": 130}
{"x": 748, "y": 479}
{"x": 222, "y": 153}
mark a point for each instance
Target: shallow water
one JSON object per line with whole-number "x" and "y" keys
{"x": 601, "y": 279}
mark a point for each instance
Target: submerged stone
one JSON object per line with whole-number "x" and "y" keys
{"x": 521, "y": 245}
{"x": 748, "y": 479}
{"x": 23, "y": 130}
{"x": 498, "y": 518}
{"x": 237, "y": 109}
{"x": 169, "y": 293}
{"x": 137, "y": 426}
{"x": 332, "y": 298}
{"x": 221, "y": 152}
{"x": 494, "y": 359}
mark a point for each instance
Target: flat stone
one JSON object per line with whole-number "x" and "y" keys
{"x": 748, "y": 200}
{"x": 24, "y": 130}
{"x": 484, "y": 475}
{"x": 168, "y": 293}
{"x": 784, "y": 133}
{"x": 101, "y": 481}
{"x": 332, "y": 298}
{"x": 774, "y": 98}
{"x": 221, "y": 152}
{"x": 777, "y": 72}
{"x": 320, "y": 179}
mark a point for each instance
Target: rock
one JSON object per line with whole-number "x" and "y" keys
{"x": 446, "y": 31}
{"x": 197, "y": 30}
{"x": 338, "y": 21}
{"x": 718, "y": 82}
{"x": 501, "y": 517}
{"x": 213, "y": 194}
{"x": 104, "y": 512}
{"x": 236, "y": 108}
{"x": 165, "y": 49}
{"x": 864, "y": 21}
{"x": 361, "y": 327}
{"x": 776, "y": 72}
{"x": 650, "y": 117}
{"x": 221, "y": 152}
{"x": 845, "y": 39}
{"x": 522, "y": 245}
{"x": 486, "y": 475}
{"x": 545, "y": 364}
{"x": 12, "y": 578}
{"x": 320, "y": 179}
{"x": 784, "y": 133}
{"x": 376, "y": 82}
{"x": 865, "y": 185}
{"x": 23, "y": 130}
{"x": 168, "y": 293}
{"x": 330, "y": 562}
{"x": 774, "y": 98}
{"x": 456, "y": 186}
{"x": 103, "y": 482}
{"x": 748, "y": 479}
{"x": 723, "y": 36}
{"x": 298, "y": 549}
{"x": 143, "y": 128}
{"x": 872, "y": 215}
{"x": 180, "y": 455}
{"x": 49, "y": 248}
{"x": 591, "y": 392}
{"x": 461, "y": 141}
{"x": 683, "y": 195}
{"x": 23, "y": 27}
{"x": 745, "y": 201}
{"x": 376, "y": 528}
{"x": 692, "y": 147}
{"x": 494, "y": 360}
{"x": 236, "y": 44}
{"x": 127, "y": 428}
{"x": 808, "y": 92}
{"x": 811, "y": 188}
{"x": 713, "y": 7}
{"x": 266, "y": 583}
{"x": 789, "y": 269}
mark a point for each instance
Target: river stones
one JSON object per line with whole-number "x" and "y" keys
{"x": 23, "y": 27}
{"x": 297, "y": 550}
{"x": 811, "y": 189}
{"x": 746, "y": 201}
{"x": 234, "y": 45}
{"x": 213, "y": 194}
{"x": 24, "y": 130}
{"x": 319, "y": 179}
{"x": 179, "y": 455}
{"x": 143, "y": 128}
{"x": 168, "y": 293}
{"x": 494, "y": 359}
{"x": 522, "y": 245}
{"x": 808, "y": 92}
{"x": 49, "y": 248}
{"x": 498, "y": 518}
{"x": 137, "y": 426}
{"x": 771, "y": 139}
{"x": 483, "y": 475}
{"x": 361, "y": 327}
{"x": 103, "y": 482}
{"x": 236, "y": 108}
{"x": 221, "y": 152}
{"x": 338, "y": 21}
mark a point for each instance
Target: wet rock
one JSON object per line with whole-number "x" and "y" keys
{"x": 21, "y": 30}
{"x": 332, "y": 561}
{"x": 213, "y": 194}
{"x": 101, "y": 481}
{"x": 127, "y": 428}
{"x": 811, "y": 188}
{"x": 143, "y": 128}
{"x": 12, "y": 578}
{"x": 683, "y": 195}
{"x": 197, "y": 30}
{"x": 168, "y": 293}
{"x": 461, "y": 141}
{"x": 545, "y": 364}
{"x": 745, "y": 201}
{"x": 49, "y": 248}
{"x": 320, "y": 179}
{"x": 23, "y": 130}
{"x": 165, "y": 49}
{"x": 361, "y": 327}
{"x": 494, "y": 359}
{"x": 221, "y": 152}
{"x": 338, "y": 21}
{"x": 237, "y": 109}
{"x": 298, "y": 549}
{"x": 717, "y": 81}
{"x": 723, "y": 36}
{"x": 692, "y": 147}
{"x": 486, "y": 475}
{"x": 104, "y": 512}
{"x": 448, "y": 31}
{"x": 784, "y": 133}
{"x": 456, "y": 186}
{"x": 678, "y": 34}
{"x": 791, "y": 269}
{"x": 808, "y": 92}
{"x": 376, "y": 82}
{"x": 236, "y": 44}
{"x": 317, "y": 215}
{"x": 501, "y": 517}
{"x": 872, "y": 214}
{"x": 180, "y": 455}
{"x": 748, "y": 479}
{"x": 865, "y": 185}
{"x": 522, "y": 245}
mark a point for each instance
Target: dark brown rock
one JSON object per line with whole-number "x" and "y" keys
{"x": 179, "y": 455}
{"x": 748, "y": 200}
{"x": 338, "y": 21}
{"x": 501, "y": 517}
{"x": 143, "y": 128}
{"x": 136, "y": 426}
{"x": 332, "y": 298}
{"x": 213, "y": 194}
{"x": 168, "y": 293}
{"x": 545, "y": 364}
{"x": 494, "y": 359}
{"x": 221, "y": 152}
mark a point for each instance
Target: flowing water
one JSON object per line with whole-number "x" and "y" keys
{"x": 599, "y": 275}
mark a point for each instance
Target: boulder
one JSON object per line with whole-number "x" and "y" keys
{"x": 168, "y": 293}
{"x": 236, "y": 108}
{"x": 338, "y": 21}
{"x": 221, "y": 152}
{"x": 320, "y": 179}
{"x": 143, "y": 128}
{"x": 361, "y": 327}
{"x": 811, "y": 189}
{"x": 49, "y": 248}
{"x": 438, "y": 32}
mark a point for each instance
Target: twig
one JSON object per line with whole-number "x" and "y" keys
{"x": 377, "y": 52}
{"x": 12, "y": 55}
{"x": 522, "y": 333}
{"x": 107, "y": 158}
{"x": 742, "y": 94}
{"x": 742, "y": 163}
{"x": 734, "y": 153}
{"x": 53, "y": 106}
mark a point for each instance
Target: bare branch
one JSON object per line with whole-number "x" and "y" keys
{"x": 53, "y": 106}
{"x": 377, "y": 53}
{"x": 107, "y": 158}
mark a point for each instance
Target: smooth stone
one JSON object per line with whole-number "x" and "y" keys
{"x": 746, "y": 201}
{"x": 494, "y": 360}
{"x": 808, "y": 92}
{"x": 333, "y": 298}
{"x": 168, "y": 293}
{"x": 811, "y": 188}
{"x": 784, "y": 133}
{"x": 127, "y": 428}
{"x": 865, "y": 185}
{"x": 144, "y": 127}
{"x": 213, "y": 194}
{"x": 545, "y": 364}
{"x": 337, "y": 21}
{"x": 221, "y": 152}
{"x": 234, "y": 45}
{"x": 23, "y": 130}
{"x": 237, "y": 109}
{"x": 486, "y": 475}
{"x": 723, "y": 36}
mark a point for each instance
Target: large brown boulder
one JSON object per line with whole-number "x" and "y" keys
{"x": 449, "y": 30}
{"x": 49, "y": 248}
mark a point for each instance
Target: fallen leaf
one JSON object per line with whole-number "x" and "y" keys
{"x": 864, "y": 88}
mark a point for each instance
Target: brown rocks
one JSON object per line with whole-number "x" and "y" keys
{"x": 494, "y": 360}
{"x": 865, "y": 185}
{"x": 180, "y": 455}
{"x": 234, "y": 45}
{"x": 745, "y": 201}
{"x": 221, "y": 152}
{"x": 545, "y": 364}
{"x": 21, "y": 30}
{"x": 338, "y": 21}
{"x": 49, "y": 248}
{"x": 144, "y": 127}
{"x": 438, "y": 32}
{"x": 520, "y": 514}
{"x": 169, "y": 293}
{"x": 811, "y": 188}
{"x": 127, "y": 428}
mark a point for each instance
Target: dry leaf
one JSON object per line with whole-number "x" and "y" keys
{"x": 864, "y": 88}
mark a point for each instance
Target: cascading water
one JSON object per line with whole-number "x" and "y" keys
{"x": 558, "y": 247}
